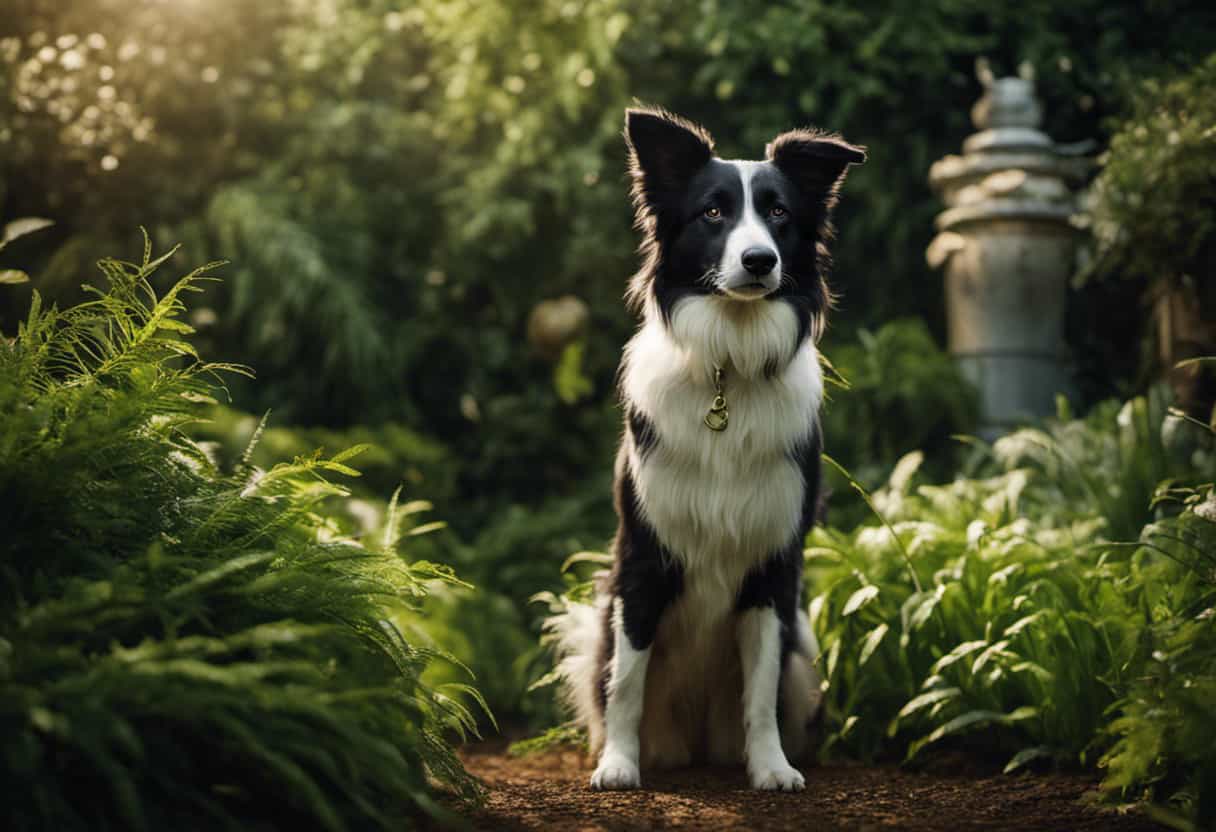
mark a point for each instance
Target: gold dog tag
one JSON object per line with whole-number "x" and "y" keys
{"x": 718, "y": 416}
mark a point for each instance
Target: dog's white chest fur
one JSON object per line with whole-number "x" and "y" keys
{"x": 722, "y": 502}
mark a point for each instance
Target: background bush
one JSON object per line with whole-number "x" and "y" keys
{"x": 1154, "y": 223}
{"x": 895, "y": 375}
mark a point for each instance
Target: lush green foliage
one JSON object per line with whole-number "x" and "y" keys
{"x": 895, "y": 376}
{"x": 393, "y": 453}
{"x": 1041, "y": 609}
{"x": 399, "y": 185}
{"x": 178, "y": 643}
{"x": 1153, "y": 224}
{"x": 513, "y": 555}
{"x": 1162, "y": 734}
{"x": 1153, "y": 213}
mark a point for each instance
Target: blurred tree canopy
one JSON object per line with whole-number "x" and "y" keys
{"x": 398, "y": 184}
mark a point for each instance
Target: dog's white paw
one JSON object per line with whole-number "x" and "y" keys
{"x": 616, "y": 772}
{"x": 779, "y": 777}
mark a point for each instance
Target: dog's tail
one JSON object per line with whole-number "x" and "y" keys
{"x": 576, "y": 631}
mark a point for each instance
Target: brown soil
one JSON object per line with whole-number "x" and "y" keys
{"x": 549, "y": 791}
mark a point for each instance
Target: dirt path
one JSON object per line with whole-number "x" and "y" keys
{"x": 549, "y": 791}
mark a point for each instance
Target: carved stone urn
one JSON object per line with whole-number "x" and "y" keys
{"x": 1008, "y": 249}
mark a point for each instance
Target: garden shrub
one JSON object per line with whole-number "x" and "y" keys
{"x": 1165, "y": 721}
{"x": 512, "y": 555}
{"x": 1041, "y": 610}
{"x": 181, "y": 647}
{"x": 1153, "y": 223}
{"x": 1152, "y": 209}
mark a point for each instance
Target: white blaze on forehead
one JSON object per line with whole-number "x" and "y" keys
{"x": 749, "y": 232}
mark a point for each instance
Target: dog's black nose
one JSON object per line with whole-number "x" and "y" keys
{"x": 759, "y": 261}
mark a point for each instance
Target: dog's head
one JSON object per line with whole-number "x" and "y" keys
{"x": 751, "y": 232}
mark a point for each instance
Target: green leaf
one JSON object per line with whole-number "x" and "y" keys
{"x": 930, "y": 698}
{"x": 569, "y": 379}
{"x": 21, "y": 227}
{"x": 1020, "y": 714}
{"x": 905, "y": 469}
{"x": 427, "y": 528}
{"x": 552, "y": 738}
{"x": 13, "y": 276}
{"x": 965, "y": 722}
{"x": 871, "y": 642}
{"x": 833, "y": 658}
{"x": 551, "y": 678}
{"x": 339, "y": 468}
{"x": 220, "y": 573}
{"x": 849, "y": 725}
{"x": 1025, "y": 756}
{"x": 351, "y": 452}
{"x": 918, "y": 608}
{"x": 174, "y": 325}
{"x": 859, "y": 599}
{"x": 1024, "y": 622}
{"x": 960, "y": 652}
{"x": 601, "y": 558}
{"x": 1033, "y": 668}
{"x": 1195, "y": 362}
{"x": 983, "y": 658}
{"x": 198, "y": 398}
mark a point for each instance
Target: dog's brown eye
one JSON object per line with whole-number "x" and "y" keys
{"x": 776, "y": 211}
{"x": 713, "y": 212}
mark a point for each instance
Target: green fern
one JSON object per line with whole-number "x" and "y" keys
{"x": 180, "y": 646}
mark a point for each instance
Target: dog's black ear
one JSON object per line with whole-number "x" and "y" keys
{"x": 665, "y": 152}
{"x": 816, "y": 161}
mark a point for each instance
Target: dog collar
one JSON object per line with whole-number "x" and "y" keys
{"x": 718, "y": 417}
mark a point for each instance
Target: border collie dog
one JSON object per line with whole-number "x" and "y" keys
{"x": 697, "y": 647}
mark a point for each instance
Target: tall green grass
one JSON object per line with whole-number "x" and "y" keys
{"x": 183, "y": 647}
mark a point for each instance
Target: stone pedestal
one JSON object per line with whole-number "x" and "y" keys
{"x": 1007, "y": 249}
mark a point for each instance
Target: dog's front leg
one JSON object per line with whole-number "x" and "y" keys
{"x": 760, "y": 649}
{"x": 618, "y": 766}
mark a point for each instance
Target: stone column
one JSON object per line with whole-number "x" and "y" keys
{"x": 1008, "y": 249}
